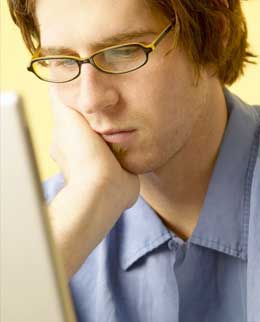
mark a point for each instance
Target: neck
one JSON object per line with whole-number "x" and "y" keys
{"x": 177, "y": 190}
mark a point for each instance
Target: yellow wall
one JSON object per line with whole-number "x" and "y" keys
{"x": 14, "y": 59}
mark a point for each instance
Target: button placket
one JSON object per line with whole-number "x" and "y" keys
{"x": 173, "y": 245}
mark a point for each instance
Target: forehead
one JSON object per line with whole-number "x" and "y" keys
{"x": 76, "y": 23}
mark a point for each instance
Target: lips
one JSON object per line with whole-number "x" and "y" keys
{"x": 114, "y": 131}
{"x": 118, "y": 137}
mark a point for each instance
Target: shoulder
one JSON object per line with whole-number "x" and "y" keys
{"x": 255, "y": 190}
{"x": 246, "y": 119}
{"x": 252, "y": 111}
{"x": 253, "y": 280}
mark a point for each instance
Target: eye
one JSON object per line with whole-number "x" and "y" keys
{"x": 64, "y": 62}
{"x": 41, "y": 63}
{"x": 58, "y": 62}
{"x": 124, "y": 51}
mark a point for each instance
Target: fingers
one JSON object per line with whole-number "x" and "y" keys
{"x": 62, "y": 114}
{"x": 58, "y": 107}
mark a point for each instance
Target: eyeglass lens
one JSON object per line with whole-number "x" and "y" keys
{"x": 114, "y": 60}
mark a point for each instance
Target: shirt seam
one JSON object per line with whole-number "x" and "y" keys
{"x": 248, "y": 188}
{"x": 217, "y": 245}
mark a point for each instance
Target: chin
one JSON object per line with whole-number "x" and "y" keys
{"x": 137, "y": 164}
{"x": 139, "y": 161}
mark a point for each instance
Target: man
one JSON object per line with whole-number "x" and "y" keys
{"x": 158, "y": 159}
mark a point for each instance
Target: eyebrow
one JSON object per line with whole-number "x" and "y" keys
{"x": 118, "y": 39}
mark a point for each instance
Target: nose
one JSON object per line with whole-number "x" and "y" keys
{"x": 96, "y": 90}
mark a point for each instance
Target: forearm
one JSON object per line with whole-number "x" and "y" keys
{"x": 80, "y": 218}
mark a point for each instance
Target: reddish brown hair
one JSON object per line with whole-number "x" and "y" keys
{"x": 210, "y": 32}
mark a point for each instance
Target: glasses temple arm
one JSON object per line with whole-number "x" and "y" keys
{"x": 161, "y": 36}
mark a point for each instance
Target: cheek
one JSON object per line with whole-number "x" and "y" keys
{"x": 67, "y": 94}
{"x": 165, "y": 114}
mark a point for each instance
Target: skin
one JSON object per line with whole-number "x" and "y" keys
{"x": 179, "y": 125}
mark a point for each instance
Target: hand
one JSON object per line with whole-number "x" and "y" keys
{"x": 97, "y": 189}
{"x": 83, "y": 155}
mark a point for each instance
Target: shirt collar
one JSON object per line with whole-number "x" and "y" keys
{"x": 141, "y": 231}
{"x": 223, "y": 223}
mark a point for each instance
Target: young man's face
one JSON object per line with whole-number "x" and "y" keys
{"x": 159, "y": 100}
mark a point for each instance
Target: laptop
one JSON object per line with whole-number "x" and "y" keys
{"x": 33, "y": 284}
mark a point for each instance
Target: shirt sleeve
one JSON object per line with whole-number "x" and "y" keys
{"x": 52, "y": 186}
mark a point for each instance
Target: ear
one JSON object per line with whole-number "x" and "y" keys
{"x": 221, "y": 2}
{"x": 223, "y": 23}
{"x": 225, "y": 29}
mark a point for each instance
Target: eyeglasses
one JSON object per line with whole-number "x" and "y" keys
{"x": 118, "y": 59}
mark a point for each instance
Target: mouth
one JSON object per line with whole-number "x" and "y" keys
{"x": 118, "y": 137}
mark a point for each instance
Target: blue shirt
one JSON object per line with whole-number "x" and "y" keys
{"x": 142, "y": 272}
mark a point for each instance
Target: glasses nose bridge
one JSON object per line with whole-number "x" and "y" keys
{"x": 86, "y": 61}
{"x": 83, "y": 61}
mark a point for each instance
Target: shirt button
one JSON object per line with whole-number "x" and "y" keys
{"x": 172, "y": 245}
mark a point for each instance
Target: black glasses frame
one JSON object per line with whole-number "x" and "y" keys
{"x": 90, "y": 60}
